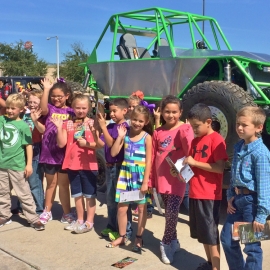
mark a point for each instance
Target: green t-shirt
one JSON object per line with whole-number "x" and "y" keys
{"x": 14, "y": 135}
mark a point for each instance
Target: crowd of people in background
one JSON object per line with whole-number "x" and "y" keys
{"x": 50, "y": 133}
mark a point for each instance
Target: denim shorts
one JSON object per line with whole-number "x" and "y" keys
{"x": 83, "y": 183}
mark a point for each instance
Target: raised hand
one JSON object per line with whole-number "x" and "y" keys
{"x": 101, "y": 120}
{"x": 122, "y": 131}
{"x": 47, "y": 84}
{"x": 156, "y": 113}
{"x": 57, "y": 122}
{"x": 35, "y": 114}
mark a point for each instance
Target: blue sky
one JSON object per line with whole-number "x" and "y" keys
{"x": 244, "y": 22}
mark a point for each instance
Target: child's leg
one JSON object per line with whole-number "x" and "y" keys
{"x": 64, "y": 194}
{"x": 50, "y": 190}
{"x": 91, "y": 209}
{"x": 79, "y": 204}
{"x": 5, "y": 200}
{"x": 213, "y": 255}
{"x": 142, "y": 217}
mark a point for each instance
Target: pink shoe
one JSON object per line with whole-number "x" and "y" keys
{"x": 45, "y": 216}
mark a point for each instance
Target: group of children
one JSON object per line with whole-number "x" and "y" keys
{"x": 135, "y": 160}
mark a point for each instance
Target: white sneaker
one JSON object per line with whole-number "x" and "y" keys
{"x": 175, "y": 246}
{"x": 166, "y": 253}
{"x": 73, "y": 226}
{"x": 85, "y": 227}
{"x": 45, "y": 216}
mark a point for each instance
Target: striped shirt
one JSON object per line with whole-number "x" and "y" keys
{"x": 251, "y": 169}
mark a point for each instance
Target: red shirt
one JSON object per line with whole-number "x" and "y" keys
{"x": 204, "y": 184}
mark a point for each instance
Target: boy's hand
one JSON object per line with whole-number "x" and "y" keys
{"x": 190, "y": 161}
{"x": 57, "y": 122}
{"x": 230, "y": 208}
{"x": 258, "y": 227}
{"x": 82, "y": 142}
{"x": 122, "y": 131}
{"x": 156, "y": 113}
{"x": 35, "y": 115}
{"x": 28, "y": 170}
{"x": 173, "y": 172}
{"x": 47, "y": 84}
{"x": 144, "y": 188}
{"x": 101, "y": 121}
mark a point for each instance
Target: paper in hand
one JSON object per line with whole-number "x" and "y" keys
{"x": 131, "y": 196}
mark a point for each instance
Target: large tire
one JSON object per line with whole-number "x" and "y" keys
{"x": 224, "y": 100}
{"x": 101, "y": 177}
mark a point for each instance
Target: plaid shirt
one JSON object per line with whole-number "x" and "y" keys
{"x": 251, "y": 169}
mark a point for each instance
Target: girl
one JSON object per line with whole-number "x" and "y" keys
{"x": 52, "y": 156}
{"x": 80, "y": 161}
{"x": 173, "y": 138}
{"x": 135, "y": 170}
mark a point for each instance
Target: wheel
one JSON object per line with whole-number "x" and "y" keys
{"x": 76, "y": 87}
{"x": 224, "y": 99}
{"x": 101, "y": 177}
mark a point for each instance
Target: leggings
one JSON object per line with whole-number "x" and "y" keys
{"x": 172, "y": 204}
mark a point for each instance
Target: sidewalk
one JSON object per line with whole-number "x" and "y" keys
{"x": 21, "y": 247}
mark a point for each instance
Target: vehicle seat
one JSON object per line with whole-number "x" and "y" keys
{"x": 127, "y": 48}
{"x": 163, "y": 42}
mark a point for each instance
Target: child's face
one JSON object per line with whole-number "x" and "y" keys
{"x": 200, "y": 128}
{"x": 13, "y": 112}
{"x": 171, "y": 114}
{"x": 138, "y": 121}
{"x": 117, "y": 114}
{"x": 246, "y": 129}
{"x": 58, "y": 98}
{"x": 131, "y": 105}
{"x": 81, "y": 108}
{"x": 33, "y": 103}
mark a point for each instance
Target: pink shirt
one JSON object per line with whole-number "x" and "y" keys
{"x": 76, "y": 157}
{"x": 175, "y": 144}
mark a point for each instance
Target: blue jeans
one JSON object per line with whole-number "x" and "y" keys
{"x": 112, "y": 174}
{"x": 35, "y": 182}
{"x": 186, "y": 198}
{"x": 245, "y": 211}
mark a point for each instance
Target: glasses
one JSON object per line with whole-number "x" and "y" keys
{"x": 33, "y": 102}
{"x": 57, "y": 97}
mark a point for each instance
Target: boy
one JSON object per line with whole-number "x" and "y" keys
{"x": 249, "y": 192}
{"x": 16, "y": 162}
{"x": 207, "y": 159}
{"x": 118, "y": 109}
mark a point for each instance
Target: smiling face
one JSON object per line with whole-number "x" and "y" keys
{"x": 33, "y": 103}
{"x": 171, "y": 114}
{"x": 13, "y": 111}
{"x": 131, "y": 105}
{"x": 117, "y": 114}
{"x": 138, "y": 121}
{"x": 58, "y": 98}
{"x": 81, "y": 107}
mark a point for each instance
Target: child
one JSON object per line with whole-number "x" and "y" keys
{"x": 172, "y": 139}
{"x": 118, "y": 109}
{"x": 135, "y": 170}
{"x": 52, "y": 156}
{"x": 16, "y": 154}
{"x": 207, "y": 159}
{"x": 249, "y": 191}
{"x": 36, "y": 178}
{"x": 80, "y": 161}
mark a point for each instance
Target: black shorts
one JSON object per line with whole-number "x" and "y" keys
{"x": 203, "y": 220}
{"x": 53, "y": 169}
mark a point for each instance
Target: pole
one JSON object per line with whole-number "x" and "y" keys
{"x": 203, "y": 15}
{"x": 57, "y": 56}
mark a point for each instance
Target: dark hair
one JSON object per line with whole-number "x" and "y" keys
{"x": 170, "y": 99}
{"x": 200, "y": 112}
{"x": 140, "y": 109}
{"x": 119, "y": 102}
{"x": 65, "y": 89}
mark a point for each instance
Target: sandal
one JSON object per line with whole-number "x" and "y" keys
{"x": 123, "y": 242}
{"x": 137, "y": 248}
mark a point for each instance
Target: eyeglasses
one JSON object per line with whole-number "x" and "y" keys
{"x": 33, "y": 102}
{"x": 57, "y": 97}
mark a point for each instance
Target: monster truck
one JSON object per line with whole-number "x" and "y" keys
{"x": 162, "y": 51}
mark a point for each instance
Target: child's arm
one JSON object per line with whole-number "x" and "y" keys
{"x": 151, "y": 183}
{"x": 44, "y": 100}
{"x": 148, "y": 162}
{"x": 84, "y": 143}
{"x": 29, "y": 157}
{"x": 118, "y": 144}
{"x": 217, "y": 167}
{"x": 35, "y": 116}
{"x": 95, "y": 133}
{"x": 61, "y": 136}
{"x": 157, "y": 117}
{"x": 108, "y": 138}
{"x": 2, "y": 106}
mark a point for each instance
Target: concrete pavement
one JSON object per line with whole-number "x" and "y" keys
{"x": 21, "y": 247}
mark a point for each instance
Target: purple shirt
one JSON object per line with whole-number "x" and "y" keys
{"x": 50, "y": 152}
{"x": 112, "y": 129}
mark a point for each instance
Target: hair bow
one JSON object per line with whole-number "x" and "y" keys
{"x": 62, "y": 80}
{"x": 150, "y": 107}
{"x": 139, "y": 94}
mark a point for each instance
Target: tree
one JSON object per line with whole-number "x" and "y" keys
{"x": 70, "y": 69}
{"x": 15, "y": 60}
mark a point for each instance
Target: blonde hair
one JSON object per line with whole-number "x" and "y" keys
{"x": 36, "y": 92}
{"x": 80, "y": 96}
{"x": 18, "y": 100}
{"x": 257, "y": 114}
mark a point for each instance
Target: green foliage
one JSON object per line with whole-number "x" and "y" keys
{"x": 17, "y": 61}
{"x": 70, "y": 69}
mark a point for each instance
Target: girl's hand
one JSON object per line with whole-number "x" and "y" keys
{"x": 47, "y": 84}
{"x": 35, "y": 115}
{"x": 82, "y": 142}
{"x": 174, "y": 172}
{"x": 150, "y": 190}
{"x": 57, "y": 122}
{"x": 144, "y": 188}
{"x": 156, "y": 113}
{"x": 101, "y": 121}
{"x": 230, "y": 208}
{"x": 122, "y": 131}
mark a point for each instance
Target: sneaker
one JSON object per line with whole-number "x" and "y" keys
{"x": 105, "y": 232}
{"x": 136, "y": 218}
{"x": 113, "y": 235}
{"x": 149, "y": 215}
{"x": 68, "y": 218}
{"x": 72, "y": 226}
{"x": 175, "y": 246}
{"x": 45, "y": 217}
{"x": 166, "y": 253}
{"x": 4, "y": 221}
{"x": 204, "y": 266}
{"x": 38, "y": 226}
{"x": 85, "y": 227}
